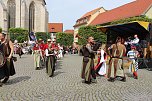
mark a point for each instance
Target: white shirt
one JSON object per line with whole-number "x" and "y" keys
{"x": 47, "y": 52}
{"x": 135, "y": 41}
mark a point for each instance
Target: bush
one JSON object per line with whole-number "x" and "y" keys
{"x": 65, "y": 39}
{"x": 0, "y": 30}
{"x": 19, "y": 34}
{"x": 87, "y": 31}
{"x": 42, "y": 35}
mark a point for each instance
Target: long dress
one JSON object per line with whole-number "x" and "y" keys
{"x": 50, "y": 63}
{"x": 116, "y": 62}
{"x": 101, "y": 66}
{"x": 8, "y": 68}
{"x": 3, "y": 68}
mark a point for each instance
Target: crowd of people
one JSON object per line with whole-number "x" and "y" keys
{"x": 46, "y": 55}
{"x": 117, "y": 54}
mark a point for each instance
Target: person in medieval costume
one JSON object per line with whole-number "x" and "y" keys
{"x": 133, "y": 54}
{"x": 116, "y": 61}
{"x": 50, "y": 57}
{"x": 6, "y": 48}
{"x": 42, "y": 52}
{"x": 36, "y": 52}
{"x": 101, "y": 65}
{"x": 88, "y": 72}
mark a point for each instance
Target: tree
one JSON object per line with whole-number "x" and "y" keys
{"x": 42, "y": 35}
{"x": 65, "y": 39}
{"x": 19, "y": 34}
{"x": 87, "y": 31}
{"x": 0, "y": 30}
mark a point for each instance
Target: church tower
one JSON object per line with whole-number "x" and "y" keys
{"x": 28, "y": 14}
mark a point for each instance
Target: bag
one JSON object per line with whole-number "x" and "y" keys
{"x": 82, "y": 50}
{"x": 14, "y": 58}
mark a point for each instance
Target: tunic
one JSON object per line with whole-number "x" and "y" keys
{"x": 116, "y": 61}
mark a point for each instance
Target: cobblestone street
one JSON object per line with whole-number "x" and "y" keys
{"x": 34, "y": 85}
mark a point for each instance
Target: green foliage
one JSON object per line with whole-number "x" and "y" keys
{"x": 126, "y": 20}
{"x": 64, "y": 39}
{"x": 42, "y": 35}
{"x": 87, "y": 31}
{"x": 0, "y": 30}
{"x": 18, "y": 31}
{"x": 19, "y": 34}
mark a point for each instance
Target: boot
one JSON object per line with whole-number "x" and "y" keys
{"x": 123, "y": 79}
{"x": 1, "y": 84}
{"x": 5, "y": 79}
{"x": 111, "y": 79}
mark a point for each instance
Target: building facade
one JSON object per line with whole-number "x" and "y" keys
{"x": 86, "y": 19}
{"x": 54, "y": 28}
{"x": 28, "y": 14}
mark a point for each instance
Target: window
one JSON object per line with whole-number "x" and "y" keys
{"x": 31, "y": 17}
{"x": 11, "y": 13}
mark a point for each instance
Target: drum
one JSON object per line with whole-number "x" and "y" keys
{"x": 2, "y": 59}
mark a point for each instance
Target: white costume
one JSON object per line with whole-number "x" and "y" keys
{"x": 102, "y": 63}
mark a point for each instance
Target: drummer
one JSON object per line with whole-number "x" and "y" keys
{"x": 6, "y": 47}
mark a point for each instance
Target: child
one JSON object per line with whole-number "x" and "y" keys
{"x": 133, "y": 54}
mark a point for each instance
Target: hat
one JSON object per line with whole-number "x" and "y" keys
{"x": 48, "y": 39}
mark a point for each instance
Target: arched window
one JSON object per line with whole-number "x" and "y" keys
{"x": 11, "y": 13}
{"x": 31, "y": 17}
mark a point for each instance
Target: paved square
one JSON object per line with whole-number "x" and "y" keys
{"x": 34, "y": 85}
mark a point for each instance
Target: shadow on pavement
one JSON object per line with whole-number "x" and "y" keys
{"x": 18, "y": 79}
{"x": 57, "y": 73}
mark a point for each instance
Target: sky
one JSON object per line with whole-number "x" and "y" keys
{"x": 68, "y": 11}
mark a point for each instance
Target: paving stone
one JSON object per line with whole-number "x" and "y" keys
{"x": 66, "y": 85}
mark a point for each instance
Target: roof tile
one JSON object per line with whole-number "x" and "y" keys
{"x": 135, "y": 8}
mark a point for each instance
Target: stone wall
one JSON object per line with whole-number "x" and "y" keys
{"x": 22, "y": 15}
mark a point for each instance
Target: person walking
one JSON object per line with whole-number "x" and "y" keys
{"x": 50, "y": 59}
{"x": 36, "y": 52}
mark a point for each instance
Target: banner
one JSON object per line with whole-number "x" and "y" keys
{"x": 32, "y": 36}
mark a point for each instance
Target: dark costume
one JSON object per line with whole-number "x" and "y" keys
{"x": 88, "y": 72}
{"x": 8, "y": 68}
{"x": 50, "y": 63}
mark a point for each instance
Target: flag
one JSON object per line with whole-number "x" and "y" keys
{"x": 32, "y": 36}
